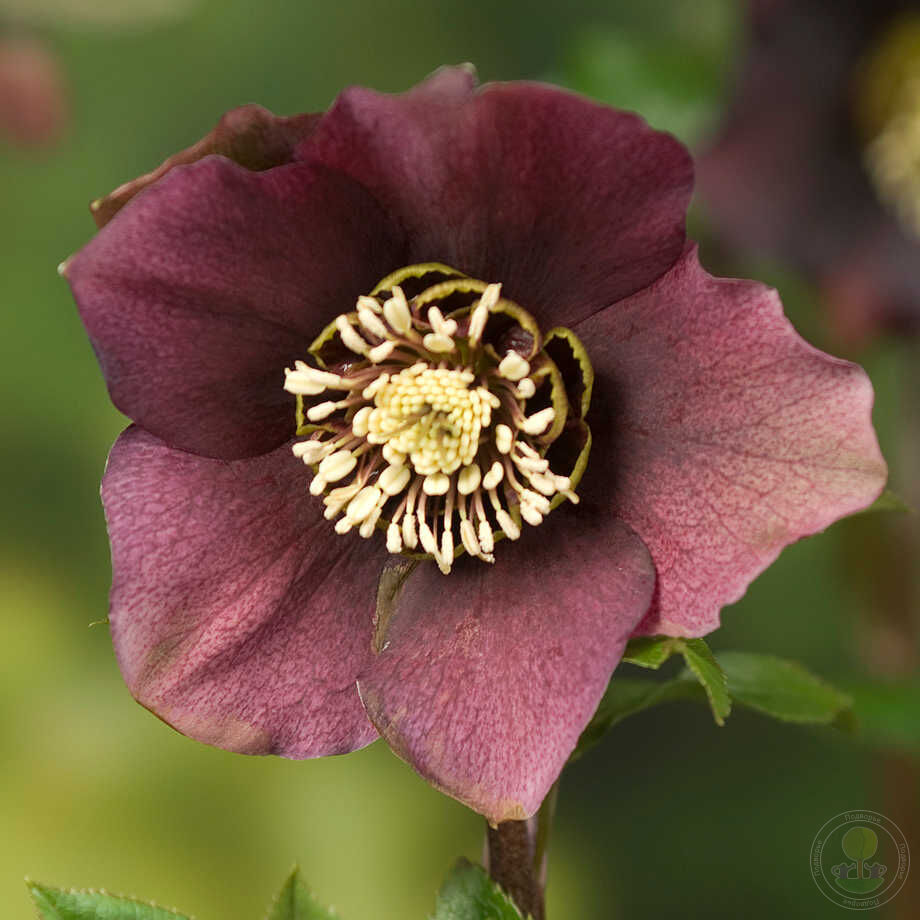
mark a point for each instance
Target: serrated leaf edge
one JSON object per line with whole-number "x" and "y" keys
{"x": 34, "y": 886}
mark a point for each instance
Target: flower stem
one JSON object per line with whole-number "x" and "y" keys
{"x": 515, "y": 857}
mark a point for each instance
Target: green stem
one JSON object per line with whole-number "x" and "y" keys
{"x": 516, "y": 854}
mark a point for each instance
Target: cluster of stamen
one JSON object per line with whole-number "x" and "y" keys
{"x": 431, "y": 438}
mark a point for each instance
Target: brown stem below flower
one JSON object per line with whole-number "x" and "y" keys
{"x": 515, "y": 857}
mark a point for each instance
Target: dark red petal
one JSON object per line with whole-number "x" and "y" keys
{"x": 488, "y": 675}
{"x": 720, "y": 436}
{"x": 249, "y": 135}
{"x": 213, "y": 280}
{"x": 570, "y": 204}
{"x": 238, "y": 616}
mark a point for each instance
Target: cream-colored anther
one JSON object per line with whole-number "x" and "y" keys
{"x": 445, "y": 327}
{"x": 490, "y": 296}
{"x": 394, "y": 539}
{"x": 343, "y": 525}
{"x": 494, "y": 476}
{"x": 362, "y": 504}
{"x": 535, "y": 500}
{"x": 486, "y": 538}
{"x": 310, "y": 451}
{"x": 539, "y": 421}
{"x": 350, "y": 337}
{"x": 503, "y": 437}
{"x": 322, "y": 410}
{"x": 375, "y": 386}
{"x": 507, "y": 524}
{"x": 382, "y": 351}
{"x": 333, "y": 381}
{"x": 360, "y": 420}
{"x": 488, "y": 398}
{"x": 301, "y": 383}
{"x": 543, "y": 483}
{"x": 397, "y": 313}
{"x": 343, "y": 494}
{"x": 393, "y": 456}
{"x": 317, "y": 485}
{"x": 409, "y": 532}
{"x": 513, "y": 366}
{"x": 447, "y": 547}
{"x": 369, "y": 303}
{"x": 338, "y": 465}
{"x": 531, "y": 515}
{"x": 426, "y": 538}
{"x": 369, "y": 319}
{"x": 525, "y": 448}
{"x": 332, "y": 510}
{"x": 526, "y": 388}
{"x": 530, "y": 464}
{"x": 468, "y": 537}
{"x": 394, "y": 479}
{"x": 438, "y": 343}
{"x": 369, "y": 524}
{"x": 480, "y": 314}
{"x": 469, "y": 478}
{"x": 436, "y": 484}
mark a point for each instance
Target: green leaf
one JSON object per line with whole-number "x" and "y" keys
{"x": 295, "y": 902}
{"x": 626, "y": 696}
{"x": 469, "y": 894}
{"x": 887, "y": 501}
{"x": 651, "y": 651}
{"x": 58, "y": 904}
{"x": 702, "y": 663}
{"x": 783, "y": 689}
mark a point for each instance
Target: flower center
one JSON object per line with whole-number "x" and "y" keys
{"x": 888, "y": 113}
{"x": 453, "y": 419}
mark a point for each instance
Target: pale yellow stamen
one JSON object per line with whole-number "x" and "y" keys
{"x": 539, "y": 421}
{"x": 513, "y": 366}
{"x": 429, "y": 415}
{"x": 350, "y": 337}
{"x": 397, "y": 312}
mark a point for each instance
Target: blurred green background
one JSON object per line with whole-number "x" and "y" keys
{"x": 670, "y": 816}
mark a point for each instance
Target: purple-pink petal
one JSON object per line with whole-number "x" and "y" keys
{"x": 200, "y": 292}
{"x": 568, "y": 203}
{"x": 237, "y": 616}
{"x": 720, "y": 436}
{"x": 484, "y": 683}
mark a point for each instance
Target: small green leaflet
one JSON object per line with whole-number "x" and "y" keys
{"x": 60, "y": 904}
{"x": 653, "y": 651}
{"x": 469, "y": 894}
{"x": 783, "y": 689}
{"x": 650, "y": 651}
{"x": 771, "y": 686}
{"x": 295, "y": 902}
{"x": 705, "y": 668}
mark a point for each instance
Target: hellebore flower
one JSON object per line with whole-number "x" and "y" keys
{"x": 818, "y": 160}
{"x": 524, "y": 236}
